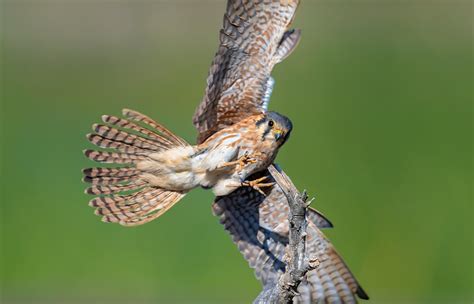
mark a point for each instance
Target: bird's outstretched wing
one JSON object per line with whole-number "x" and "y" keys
{"x": 253, "y": 39}
{"x": 259, "y": 227}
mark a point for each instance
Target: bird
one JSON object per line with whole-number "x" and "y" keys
{"x": 161, "y": 165}
{"x": 255, "y": 36}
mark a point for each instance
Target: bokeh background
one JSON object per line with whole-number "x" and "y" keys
{"x": 380, "y": 93}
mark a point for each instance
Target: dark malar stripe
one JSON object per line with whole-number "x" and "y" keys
{"x": 267, "y": 130}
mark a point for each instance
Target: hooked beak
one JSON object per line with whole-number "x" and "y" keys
{"x": 279, "y": 134}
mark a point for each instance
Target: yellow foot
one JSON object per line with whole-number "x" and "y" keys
{"x": 243, "y": 161}
{"x": 257, "y": 184}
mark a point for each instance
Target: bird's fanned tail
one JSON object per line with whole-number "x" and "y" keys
{"x": 123, "y": 195}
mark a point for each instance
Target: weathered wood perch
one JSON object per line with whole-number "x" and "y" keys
{"x": 297, "y": 263}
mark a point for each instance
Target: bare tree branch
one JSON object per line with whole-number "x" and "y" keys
{"x": 297, "y": 264}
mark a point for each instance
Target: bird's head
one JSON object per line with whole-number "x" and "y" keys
{"x": 275, "y": 127}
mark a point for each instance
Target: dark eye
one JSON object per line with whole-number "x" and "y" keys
{"x": 270, "y": 123}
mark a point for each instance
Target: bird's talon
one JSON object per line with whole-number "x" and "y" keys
{"x": 240, "y": 163}
{"x": 257, "y": 184}
{"x": 245, "y": 160}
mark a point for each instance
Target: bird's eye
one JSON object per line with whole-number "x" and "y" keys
{"x": 270, "y": 123}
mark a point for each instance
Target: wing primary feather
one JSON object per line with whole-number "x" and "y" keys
{"x": 252, "y": 40}
{"x": 319, "y": 219}
{"x": 288, "y": 44}
{"x": 268, "y": 92}
{"x": 246, "y": 215}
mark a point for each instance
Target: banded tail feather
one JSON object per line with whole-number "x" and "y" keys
{"x": 113, "y": 157}
{"x": 106, "y": 180}
{"x": 103, "y": 142}
{"x": 123, "y": 123}
{"x": 110, "y": 172}
{"x": 123, "y": 200}
{"x": 112, "y": 189}
{"x": 124, "y": 194}
{"x": 172, "y": 138}
{"x": 119, "y": 136}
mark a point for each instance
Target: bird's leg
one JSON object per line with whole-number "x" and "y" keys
{"x": 241, "y": 162}
{"x": 257, "y": 184}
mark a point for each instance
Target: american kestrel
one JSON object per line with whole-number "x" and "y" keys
{"x": 163, "y": 166}
{"x": 237, "y": 140}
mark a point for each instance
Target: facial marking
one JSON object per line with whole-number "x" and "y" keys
{"x": 267, "y": 130}
{"x": 260, "y": 121}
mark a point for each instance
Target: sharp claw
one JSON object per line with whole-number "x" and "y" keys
{"x": 257, "y": 184}
{"x": 261, "y": 179}
{"x": 259, "y": 190}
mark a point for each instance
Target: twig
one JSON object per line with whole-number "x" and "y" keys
{"x": 297, "y": 265}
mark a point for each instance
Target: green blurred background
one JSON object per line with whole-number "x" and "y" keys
{"x": 380, "y": 93}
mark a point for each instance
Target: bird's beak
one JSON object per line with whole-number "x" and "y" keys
{"x": 279, "y": 134}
